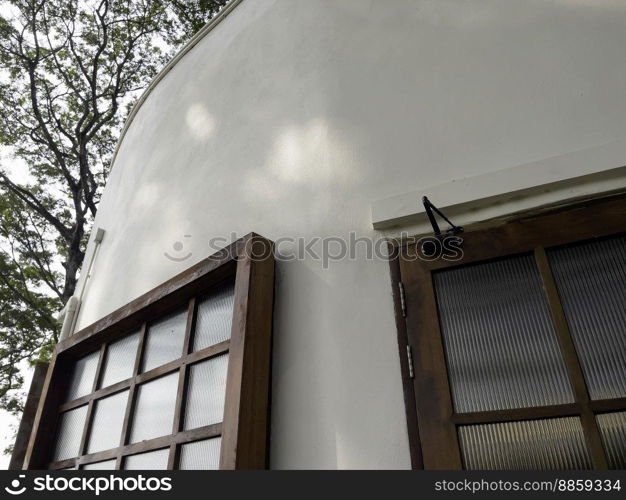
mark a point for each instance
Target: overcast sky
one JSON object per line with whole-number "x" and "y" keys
{"x": 19, "y": 174}
{"x": 6, "y": 420}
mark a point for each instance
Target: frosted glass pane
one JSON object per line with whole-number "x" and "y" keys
{"x": 613, "y": 430}
{"x": 201, "y": 455}
{"x": 69, "y": 433}
{"x": 106, "y": 465}
{"x": 205, "y": 396}
{"x": 501, "y": 346}
{"x": 591, "y": 279}
{"x": 154, "y": 413}
{"x": 108, "y": 418}
{"x": 83, "y": 376}
{"x": 165, "y": 339}
{"x": 215, "y": 317}
{"x": 153, "y": 460}
{"x": 549, "y": 444}
{"x": 120, "y": 360}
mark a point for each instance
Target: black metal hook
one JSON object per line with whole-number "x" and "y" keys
{"x": 431, "y": 210}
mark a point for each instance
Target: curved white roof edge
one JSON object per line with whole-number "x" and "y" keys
{"x": 206, "y": 29}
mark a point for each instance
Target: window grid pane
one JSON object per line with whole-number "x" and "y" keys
{"x": 214, "y": 318}
{"x": 501, "y": 347}
{"x": 105, "y": 465}
{"x": 164, "y": 340}
{"x": 613, "y": 430}
{"x": 120, "y": 360}
{"x": 83, "y": 376}
{"x": 201, "y": 455}
{"x": 152, "y": 460}
{"x": 206, "y": 393}
{"x": 549, "y": 444}
{"x": 69, "y": 433}
{"x": 108, "y": 418}
{"x": 591, "y": 279}
{"x": 154, "y": 411}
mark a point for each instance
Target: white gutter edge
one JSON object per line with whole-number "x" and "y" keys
{"x": 168, "y": 67}
{"x": 594, "y": 163}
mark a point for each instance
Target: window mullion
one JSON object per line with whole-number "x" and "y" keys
{"x": 182, "y": 381}
{"x": 90, "y": 409}
{"x": 131, "y": 395}
{"x": 178, "y": 418}
{"x": 100, "y": 367}
{"x": 190, "y": 327}
{"x": 514, "y": 414}
{"x": 572, "y": 362}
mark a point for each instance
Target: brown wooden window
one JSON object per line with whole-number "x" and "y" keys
{"x": 514, "y": 356}
{"x": 177, "y": 379}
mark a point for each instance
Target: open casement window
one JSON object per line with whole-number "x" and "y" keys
{"x": 177, "y": 379}
{"x": 514, "y": 355}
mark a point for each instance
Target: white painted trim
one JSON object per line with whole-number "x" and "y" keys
{"x": 72, "y": 308}
{"x": 68, "y": 315}
{"x": 168, "y": 67}
{"x": 523, "y": 180}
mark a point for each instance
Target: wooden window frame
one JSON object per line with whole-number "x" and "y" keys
{"x": 431, "y": 420}
{"x": 245, "y": 427}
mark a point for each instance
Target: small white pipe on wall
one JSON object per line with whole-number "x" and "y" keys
{"x": 69, "y": 314}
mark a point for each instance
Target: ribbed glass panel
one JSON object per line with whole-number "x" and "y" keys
{"x": 165, "y": 339}
{"x": 120, "y": 360}
{"x": 83, "y": 376}
{"x": 550, "y": 444}
{"x": 591, "y": 279}
{"x": 153, "y": 460}
{"x": 106, "y": 465}
{"x": 69, "y": 433}
{"x": 205, "y": 396}
{"x": 154, "y": 412}
{"x": 501, "y": 345}
{"x": 215, "y": 317}
{"x": 613, "y": 430}
{"x": 201, "y": 455}
{"x": 108, "y": 418}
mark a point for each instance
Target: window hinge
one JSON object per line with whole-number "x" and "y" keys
{"x": 409, "y": 358}
{"x": 402, "y": 298}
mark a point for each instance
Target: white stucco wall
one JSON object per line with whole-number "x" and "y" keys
{"x": 292, "y": 117}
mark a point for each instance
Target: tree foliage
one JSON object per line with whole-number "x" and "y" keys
{"x": 69, "y": 72}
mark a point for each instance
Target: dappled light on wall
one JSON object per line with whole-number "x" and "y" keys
{"x": 310, "y": 155}
{"x": 199, "y": 122}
